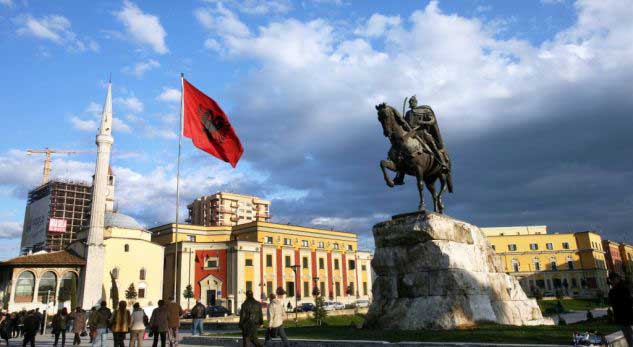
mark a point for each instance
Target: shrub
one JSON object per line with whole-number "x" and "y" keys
{"x": 561, "y": 321}
{"x": 319, "y": 312}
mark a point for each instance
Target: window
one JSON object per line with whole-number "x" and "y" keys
{"x": 191, "y": 238}
{"x": 512, "y": 247}
{"x": 337, "y": 288}
{"x": 537, "y": 264}
{"x": 565, "y": 245}
{"x": 248, "y": 262}
{"x": 549, "y": 246}
{"x": 249, "y": 285}
{"x": 351, "y": 288}
{"x": 321, "y": 264}
{"x": 304, "y": 243}
{"x": 290, "y": 289}
{"x": 363, "y": 267}
{"x": 321, "y": 244}
{"x": 350, "y": 248}
{"x": 212, "y": 262}
{"x": 335, "y": 245}
{"x": 322, "y": 288}
{"x": 305, "y": 262}
{"x": 515, "y": 265}
{"x": 269, "y": 287}
{"x": 68, "y": 283}
{"x": 126, "y": 248}
{"x": 534, "y": 246}
{"x": 268, "y": 239}
{"x": 287, "y": 242}
{"x": 287, "y": 261}
{"x": 494, "y": 248}
{"x": 352, "y": 265}
{"x": 552, "y": 264}
{"x": 48, "y": 284}
{"x": 570, "y": 263}
{"x": 365, "y": 288}
{"x": 336, "y": 266}
{"x": 141, "y": 275}
{"x": 269, "y": 260}
{"x": 141, "y": 293}
{"x": 306, "y": 288}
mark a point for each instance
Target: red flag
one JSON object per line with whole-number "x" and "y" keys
{"x": 208, "y": 126}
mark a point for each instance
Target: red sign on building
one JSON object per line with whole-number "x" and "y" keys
{"x": 57, "y": 225}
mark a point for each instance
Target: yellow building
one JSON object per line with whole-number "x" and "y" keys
{"x": 221, "y": 263}
{"x": 626, "y": 255}
{"x": 573, "y": 263}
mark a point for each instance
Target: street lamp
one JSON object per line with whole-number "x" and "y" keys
{"x": 295, "y": 268}
{"x": 261, "y": 290}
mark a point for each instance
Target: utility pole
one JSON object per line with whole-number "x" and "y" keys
{"x": 47, "y": 158}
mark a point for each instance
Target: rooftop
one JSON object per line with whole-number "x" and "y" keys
{"x": 47, "y": 259}
{"x": 120, "y": 220}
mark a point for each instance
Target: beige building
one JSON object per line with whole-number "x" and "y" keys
{"x": 573, "y": 263}
{"x": 227, "y": 209}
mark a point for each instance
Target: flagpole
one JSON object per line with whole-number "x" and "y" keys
{"x": 182, "y": 112}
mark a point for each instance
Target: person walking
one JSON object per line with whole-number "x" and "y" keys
{"x": 622, "y": 305}
{"x": 59, "y": 326}
{"x": 92, "y": 328}
{"x": 100, "y": 319}
{"x": 137, "y": 326}
{"x": 6, "y": 327}
{"x": 250, "y": 320}
{"x": 175, "y": 312}
{"x": 120, "y": 324}
{"x": 198, "y": 314}
{"x": 40, "y": 319}
{"x": 79, "y": 324}
{"x": 30, "y": 327}
{"x": 159, "y": 323}
{"x": 276, "y": 317}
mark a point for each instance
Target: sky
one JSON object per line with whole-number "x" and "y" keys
{"x": 533, "y": 98}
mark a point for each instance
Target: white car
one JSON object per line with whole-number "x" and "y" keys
{"x": 329, "y": 306}
{"x": 339, "y": 306}
{"x": 362, "y": 303}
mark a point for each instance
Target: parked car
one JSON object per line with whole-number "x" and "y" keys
{"x": 339, "y": 306}
{"x": 362, "y": 303}
{"x": 305, "y": 307}
{"x": 218, "y": 311}
{"x": 329, "y": 306}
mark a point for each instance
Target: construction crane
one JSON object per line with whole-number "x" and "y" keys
{"x": 47, "y": 158}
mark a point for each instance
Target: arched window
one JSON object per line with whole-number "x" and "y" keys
{"x": 24, "y": 287}
{"x": 68, "y": 287}
{"x": 142, "y": 275}
{"x": 126, "y": 247}
{"x": 48, "y": 284}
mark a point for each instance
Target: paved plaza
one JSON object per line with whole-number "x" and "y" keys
{"x": 48, "y": 339}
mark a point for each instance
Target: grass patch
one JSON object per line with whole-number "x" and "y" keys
{"x": 549, "y": 306}
{"x": 341, "y": 328}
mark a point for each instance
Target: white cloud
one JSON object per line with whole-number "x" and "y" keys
{"x": 377, "y": 25}
{"x": 212, "y": 44}
{"x": 170, "y": 95}
{"x": 347, "y": 224}
{"x": 257, "y": 7}
{"x": 140, "y": 68}
{"x": 10, "y": 229}
{"x": 83, "y": 124}
{"x": 143, "y": 28}
{"x": 8, "y": 3}
{"x": 131, "y": 103}
{"x": 54, "y": 28}
{"x": 222, "y": 21}
{"x": 94, "y": 109}
{"x": 120, "y": 125}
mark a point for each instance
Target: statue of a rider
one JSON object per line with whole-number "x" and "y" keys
{"x": 422, "y": 119}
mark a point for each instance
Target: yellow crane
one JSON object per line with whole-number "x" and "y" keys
{"x": 47, "y": 158}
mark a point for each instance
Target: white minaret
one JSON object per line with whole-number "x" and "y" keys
{"x": 92, "y": 277}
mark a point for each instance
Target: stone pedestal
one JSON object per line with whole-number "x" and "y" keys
{"x": 435, "y": 272}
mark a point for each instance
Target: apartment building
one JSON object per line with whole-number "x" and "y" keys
{"x": 228, "y": 209}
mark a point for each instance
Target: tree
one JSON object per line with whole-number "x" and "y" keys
{"x": 68, "y": 292}
{"x": 319, "y": 310}
{"x": 188, "y": 294}
{"x": 114, "y": 291}
{"x": 130, "y": 293}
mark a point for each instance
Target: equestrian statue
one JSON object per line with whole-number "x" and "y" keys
{"x": 417, "y": 149}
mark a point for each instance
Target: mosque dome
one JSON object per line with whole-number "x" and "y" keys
{"x": 120, "y": 220}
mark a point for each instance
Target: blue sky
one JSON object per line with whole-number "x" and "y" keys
{"x": 299, "y": 80}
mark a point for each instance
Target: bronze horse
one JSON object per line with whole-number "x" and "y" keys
{"x": 407, "y": 154}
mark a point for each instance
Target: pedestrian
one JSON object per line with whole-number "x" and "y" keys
{"x": 159, "y": 323}
{"x": 100, "y": 319}
{"x": 622, "y": 305}
{"x": 250, "y": 320}
{"x": 137, "y": 326}
{"x": 79, "y": 324}
{"x": 59, "y": 326}
{"x": 30, "y": 327}
{"x": 6, "y": 327}
{"x": 120, "y": 324}
{"x": 276, "y": 317}
{"x": 175, "y": 312}
{"x": 198, "y": 314}
{"x": 40, "y": 319}
{"x": 92, "y": 328}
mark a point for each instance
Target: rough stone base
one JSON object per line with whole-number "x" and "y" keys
{"x": 436, "y": 272}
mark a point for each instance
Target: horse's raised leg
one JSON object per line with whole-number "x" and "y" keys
{"x": 440, "y": 204}
{"x": 420, "y": 182}
{"x": 387, "y": 164}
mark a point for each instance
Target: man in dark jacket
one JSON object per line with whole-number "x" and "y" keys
{"x": 30, "y": 328}
{"x": 251, "y": 319}
{"x": 622, "y": 305}
{"x": 198, "y": 313}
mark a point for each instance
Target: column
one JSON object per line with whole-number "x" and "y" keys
{"x": 298, "y": 274}
{"x": 344, "y": 268}
{"x": 280, "y": 269}
{"x": 313, "y": 259}
{"x": 329, "y": 275}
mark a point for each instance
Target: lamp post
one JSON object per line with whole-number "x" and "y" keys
{"x": 294, "y": 269}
